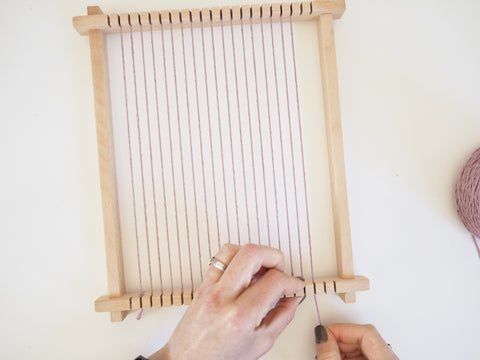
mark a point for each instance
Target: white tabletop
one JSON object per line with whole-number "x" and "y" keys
{"x": 409, "y": 78}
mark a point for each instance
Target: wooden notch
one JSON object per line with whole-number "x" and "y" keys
{"x": 205, "y": 17}
{"x": 135, "y": 302}
{"x": 300, "y": 11}
{"x": 276, "y": 11}
{"x": 286, "y": 9}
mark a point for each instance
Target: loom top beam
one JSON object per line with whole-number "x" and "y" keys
{"x": 307, "y": 10}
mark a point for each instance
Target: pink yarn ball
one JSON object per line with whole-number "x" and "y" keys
{"x": 467, "y": 194}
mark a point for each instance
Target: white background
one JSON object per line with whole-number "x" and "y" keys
{"x": 409, "y": 79}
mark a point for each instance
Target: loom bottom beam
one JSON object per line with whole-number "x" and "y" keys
{"x": 134, "y": 301}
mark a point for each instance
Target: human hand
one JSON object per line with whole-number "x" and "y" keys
{"x": 349, "y": 341}
{"x": 231, "y": 316}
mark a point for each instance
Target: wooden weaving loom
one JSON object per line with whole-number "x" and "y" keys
{"x": 96, "y": 25}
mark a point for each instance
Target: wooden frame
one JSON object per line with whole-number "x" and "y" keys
{"x": 96, "y": 24}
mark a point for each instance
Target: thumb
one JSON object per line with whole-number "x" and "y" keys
{"x": 327, "y": 347}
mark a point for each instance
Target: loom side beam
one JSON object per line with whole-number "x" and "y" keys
{"x": 338, "y": 184}
{"x": 106, "y": 161}
{"x": 134, "y": 301}
{"x": 300, "y": 11}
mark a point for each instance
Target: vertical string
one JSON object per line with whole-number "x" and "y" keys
{"x": 220, "y": 129}
{"x": 188, "y": 113}
{"x": 291, "y": 149}
{"x": 271, "y": 137}
{"x": 211, "y": 145}
{"x": 151, "y": 160}
{"x": 240, "y": 133}
{"x": 161, "y": 156}
{"x": 181, "y": 163}
{"x": 161, "y": 162}
{"x": 191, "y": 158}
{"x": 261, "y": 136}
{"x": 140, "y": 285}
{"x": 230, "y": 128}
{"x": 201, "y": 142}
{"x": 250, "y": 131}
{"x": 141, "y": 159}
{"x": 171, "y": 160}
{"x": 281, "y": 146}
{"x": 303, "y": 161}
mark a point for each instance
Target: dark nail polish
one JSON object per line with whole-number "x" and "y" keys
{"x": 320, "y": 334}
{"x": 303, "y": 298}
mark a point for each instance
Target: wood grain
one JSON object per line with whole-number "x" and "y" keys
{"x": 132, "y": 301}
{"x": 303, "y": 11}
{"x": 338, "y": 185}
{"x": 106, "y": 162}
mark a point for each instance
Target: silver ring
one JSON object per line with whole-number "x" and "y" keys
{"x": 217, "y": 263}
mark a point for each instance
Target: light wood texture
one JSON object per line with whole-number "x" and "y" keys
{"x": 129, "y": 302}
{"x": 167, "y": 299}
{"x": 276, "y": 9}
{"x": 309, "y": 289}
{"x": 177, "y": 299}
{"x": 106, "y": 160}
{"x": 300, "y": 12}
{"x": 338, "y": 186}
{"x": 187, "y": 298}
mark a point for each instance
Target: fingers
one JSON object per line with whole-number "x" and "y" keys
{"x": 225, "y": 255}
{"x": 247, "y": 262}
{"x": 260, "y": 296}
{"x": 349, "y": 348}
{"x": 366, "y": 337}
{"x": 276, "y": 321}
{"x": 327, "y": 347}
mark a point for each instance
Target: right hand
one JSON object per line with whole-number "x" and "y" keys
{"x": 239, "y": 313}
{"x": 349, "y": 341}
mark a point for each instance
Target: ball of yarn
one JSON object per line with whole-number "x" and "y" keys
{"x": 467, "y": 193}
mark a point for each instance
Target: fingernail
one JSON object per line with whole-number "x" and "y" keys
{"x": 303, "y": 298}
{"x": 300, "y": 278}
{"x": 320, "y": 334}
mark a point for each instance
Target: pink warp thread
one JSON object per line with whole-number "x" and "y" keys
{"x": 140, "y": 285}
{"x": 250, "y": 131}
{"x": 220, "y": 128}
{"x": 240, "y": 135}
{"x": 193, "y": 167}
{"x": 211, "y": 148}
{"x": 161, "y": 163}
{"x": 201, "y": 140}
{"x": 181, "y": 163}
{"x": 161, "y": 159}
{"x": 281, "y": 146}
{"x": 271, "y": 137}
{"x": 260, "y": 132}
{"x": 151, "y": 163}
{"x": 230, "y": 130}
{"x": 467, "y": 194}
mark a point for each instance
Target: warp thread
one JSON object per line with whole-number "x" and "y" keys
{"x": 467, "y": 194}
